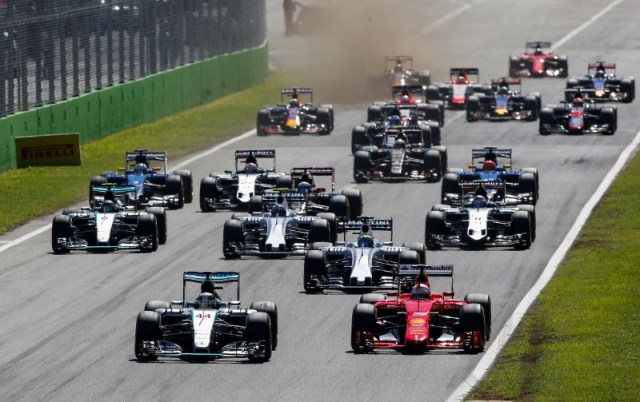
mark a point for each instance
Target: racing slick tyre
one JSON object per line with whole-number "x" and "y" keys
{"x": 284, "y": 181}
{"x": 329, "y": 107}
{"x": 444, "y": 158}
{"x": 361, "y": 166}
{"x": 359, "y": 138}
{"x": 95, "y": 181}
{"x": 485, "y": 301}
{"x": 363, "y": 319}
{"x": 333, "y": 224}
{"x": 608, "y": 117}
{"x": 187, "y": 184}
{"x": 263, "y": 121}
{"x": 628, "y": 86}
{"x": 148, "y": 228}
{"x": 473, "y": 107}
{"x": 60, "y": 228}
{"x": 320, "y": 245}
{"x": 175, "y": 186}
{"x": 374, "y": 113}
{"x": 323, "y": 118}
{"x": 571, "y": 83}
{"x": 231, "y": 236}
{"x": 546, "y": 118}
{"x": 239, "y": 215}
{"x": 208, "y": 190}
{"x": 521, "y": 224}
{"x": 372, "y": 298}
{"x": 532, "y": 212}
{"x": 531, "y": 106}
{"x": 355, "y": 202}
{"x": 147, "y": 329}
{"x": 69, "y": 211}
{"x": 439, "y": 207}
{"x": 319, "y": 230}
{"x": 563, "y": 65}
{"x": 432, "y": 93}
{"x": 432, "y": 165}
{"x": 314, "y": 269}
{"x": 255, "y": 204}
{"x": 534, "y": 171}
{"x": 258, "y": 329}
{"x": 514, "y": 66}
{"x": 271, "y": 309}
{"x": 433, "y": 113}
{"x": 527, "y": 183}
{"x": 436, "y": 135}
{"x": 450, "y": 185}
{"x": 427, "y": 142}
{"x": 418, "y": 248}
{"x": 472, "y": 319}
{"x": 434, "y": 225}
{"x": 154, "y": 305}
{"x": 339, "y": 205}
{"x": 161, "y": 218}
{"x": 409, "y": 257}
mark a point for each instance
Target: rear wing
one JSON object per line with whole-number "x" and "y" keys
{"x": 490, "y": 152}
{"x": 402, "y": 59}
{"x": 457, "y": 71}
{"x": 601, "y": 65}
{"x": 498, "y": 82}
{"x": 144, "y": 156}
{"x": 119, "y": 192}
{"x": 410, "y": 271}
{"x": 214, "y": 277}
{"x": 373, "y": 223}
{"x": 534, "y": 45}
{"x": 271, "y": 198}
{"x": 298, "y": 172}
{"x": 114, "y": 188}
{"x": 295, "y": 92}
{"x": 414, "y": 89}
{"x": 257, "y": 153}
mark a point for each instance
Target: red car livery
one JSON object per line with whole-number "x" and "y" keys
{"x": 540, "y": 62}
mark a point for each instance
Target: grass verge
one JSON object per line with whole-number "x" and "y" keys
{"x": 580, "y": 339}
{"x": 36, "y": 191}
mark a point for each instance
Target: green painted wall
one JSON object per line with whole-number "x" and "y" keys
{"x": 104, "y": 112}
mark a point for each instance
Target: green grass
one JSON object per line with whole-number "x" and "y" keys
{"x": 580, "y": 341}
{"x": 37, "y": 191}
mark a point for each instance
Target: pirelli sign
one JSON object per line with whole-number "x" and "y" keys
{"x": 48, "y": 150}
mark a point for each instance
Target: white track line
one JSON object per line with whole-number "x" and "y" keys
{"x": 438, "y": 23}
{"x": 184, "y": 163}
{"x": 512, "y": 323}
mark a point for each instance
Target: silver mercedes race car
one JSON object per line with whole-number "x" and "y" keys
{"x": 206, "y": 327}
{"x": 364, "y": 264}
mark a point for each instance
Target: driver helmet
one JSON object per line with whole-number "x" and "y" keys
{"x": 207, "y": 287}
{"x": 395, "y": 120}
{"x": 488, "y": 166}
{"x": 503, "y": 90}
{"x": 405, "y": 99}
{"x": 400, "y": 143}
{"x": 205, "y": 301}
{"x": 398, "y": 66}
{"x": 479, "y": 201}
{"x": 140, "y": 168}
{"x": 279, "y": 210}
{"x": 365, "y": 241}
{"x": 600, "y": 74}
{"x": 461, "y": 79}
{"x": 420, "y": 292}
{"x": 294, "y": 103}
{"x": 251, "y": 168}
{"x": 109, "y": 206}
{"x": 304, "y": 187}
{"x": 578, "y": 103}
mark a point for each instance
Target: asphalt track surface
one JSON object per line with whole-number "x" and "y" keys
{"x": 70, "y": 320}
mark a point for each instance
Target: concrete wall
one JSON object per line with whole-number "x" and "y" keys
{"x": 101, "y": 113}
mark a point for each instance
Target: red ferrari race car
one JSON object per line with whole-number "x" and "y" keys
{"x": 539, "y": 62}
{"x": 415, "y": 320}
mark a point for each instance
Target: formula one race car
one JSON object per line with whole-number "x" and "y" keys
{"x": 295, "y": 117}
{"x": 600, "y": 86}
{"x": 492, "y": 164}
{"x": 366, "y": 263}
{"x": 234, "y": 189}
{"x": 408, "y": 101}
{"x": 110, "y": 225}
{"x": 206, "y": 327}
{"x": 399, "y": 71}
{"x": 414, "y": 319}
{"x": 153, "y": 186}
{"x": 399, "y": 155}
{"x": 578, "y": 117}
{"x": 454, "y": 94}
{"x": 539, "y": 62}
{"x": 280, "y": 232}
{"x": 479, "y": 223}
{"x": 504, "y": 103}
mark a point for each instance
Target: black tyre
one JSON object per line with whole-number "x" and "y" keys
{"x": 314, "y": 267}
{"x": 320, "y": 245}
{"x": 485, "y": 301}
{"x": 532, "y": 212}
{"x": 231, "y": 236}
{"x": 374, "y": 113}
{"x": 563, "y": 65}
{"x": 434, "y": 225}
{"x": 514, "y": 66}
{"x": 258, "y": 329}
{"x": 95, "y": 181}
{"x": 372, "y": 298}
{"x": 363, "y": 319}
{"x": 161, "y": 218}
{"x": 450, "y": 185}
{"x": 473, "y": 106}
{"x": 187, "y": 184}
{"x": 148, "y": 228}
{"x": 444, "y": 158}
{"x": 521, "y": 224}
{"x": 359, "y": 138}
{"x": 531, "y": 105}
{"x": 263, "y": 121}
{"x": 175, "y": 186}
{"x": 339, "y": 205}
{"x": 271, "y": 309}
{"x": 427, "y": 142}
{"x": 323, "y": 118}
{"x": 628, "y": 86}
{"x": 355, "y": 202}
{"x": 439, "y": 207}
{"x": 361, "y": 164}
{"x": 432, "y": 93}
{"x": 284, "y": 181}
{"x": 255, "y": 204}
{"x": 319, "y": 230}
{"x": 433, "y": 114}
{"x": 154, "y": 305}
{"x": 546, "y": 118}
{"x": 60, "y": 228}
{"x": 147, "y": 329}
{"x": 527, "y": 183}
{"x": 208, "y": 190}
{"x": 408, "y": 257}
{"x": 418, "y": 248}
{"x": 432, "y": 163}
{"x": 608, "y": 116}
{"x": 572, "y": 83}
{"x": 436, "y": 135}
{"x": 472, "y": 318}
{"x": 333, "y": 224}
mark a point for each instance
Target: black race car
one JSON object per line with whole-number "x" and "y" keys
{"x": 295, "y": 116}
{"x": 601, "y": 85}
{"x": 503, "y": 103}
{"x": 578, "y": 117}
